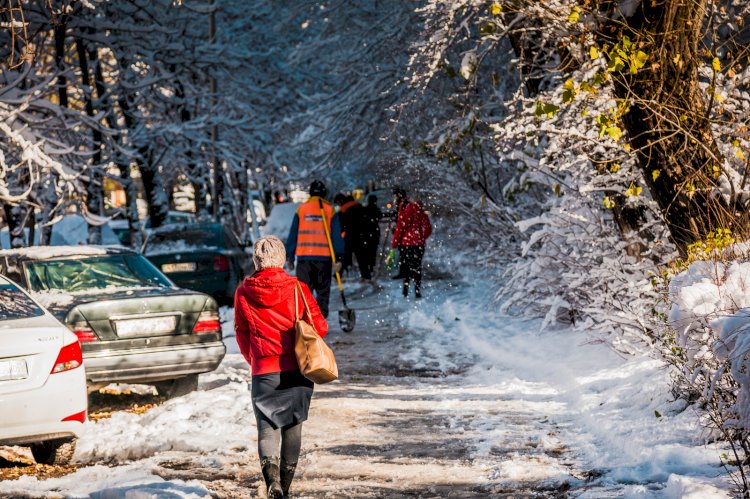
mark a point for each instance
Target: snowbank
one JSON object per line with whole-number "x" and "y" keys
{"x": 711, "y": 318}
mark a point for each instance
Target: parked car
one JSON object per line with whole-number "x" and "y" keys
{"x": 133, "y": 324}
{"x": 43, "y": 399}
{"x": 204, "y": 257}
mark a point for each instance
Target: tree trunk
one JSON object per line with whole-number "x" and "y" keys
{"x": 62, "y": 80}
{"x": 153, "y": 184}
{"x": 131, "y": 192}
{"x": 94, "y": 186}
{"x": 668, "y": 123}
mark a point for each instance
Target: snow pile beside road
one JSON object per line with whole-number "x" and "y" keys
{"x": 616, "y": 411}
{"x": 133, "y": 481}
{"x": 710, "y": 317}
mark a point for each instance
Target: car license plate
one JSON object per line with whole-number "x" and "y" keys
{"x": 13, "y": 369}
{"x": 170, "y": 268}
{"x": 130, "y": 328}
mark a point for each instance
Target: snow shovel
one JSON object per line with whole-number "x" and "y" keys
{"x": 347, "y": 318}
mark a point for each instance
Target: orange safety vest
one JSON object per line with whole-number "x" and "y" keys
{"x": 311, "y": 236}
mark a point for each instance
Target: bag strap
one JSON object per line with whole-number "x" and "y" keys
{"x": 296, "y": 303}
{"x": 304, "y": 301}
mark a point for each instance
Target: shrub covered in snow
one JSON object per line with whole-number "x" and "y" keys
{"x": 709, "y": 345}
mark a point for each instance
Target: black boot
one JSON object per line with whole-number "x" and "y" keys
{"x": 271, "y": 475}
{"x": 417, "y": 289}
{"x": 406, "y": 288}
{"x": 287, "y": 475}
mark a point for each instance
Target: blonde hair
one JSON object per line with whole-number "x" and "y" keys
{"x": 268, "y": 252}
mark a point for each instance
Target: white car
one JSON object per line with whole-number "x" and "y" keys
{"x": 43, "y": 401}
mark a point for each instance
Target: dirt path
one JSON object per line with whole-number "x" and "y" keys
{"x": 403, "y": 422}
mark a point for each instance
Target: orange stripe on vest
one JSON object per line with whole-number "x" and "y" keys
{"x": 311, "y": 236}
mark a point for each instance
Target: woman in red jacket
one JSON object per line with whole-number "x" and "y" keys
{"x": 264, "y": 324}
{"x": 413, "y": 227}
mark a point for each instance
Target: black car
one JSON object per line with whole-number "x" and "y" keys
{"x": 205, "y": 257}
{"x": 134, "y": 325}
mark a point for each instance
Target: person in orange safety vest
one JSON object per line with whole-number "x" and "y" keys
{"x": 307, "y": 242}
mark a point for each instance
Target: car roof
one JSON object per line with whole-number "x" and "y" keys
{"x": 179, "y": 227}
{"x": 49, "y": 252}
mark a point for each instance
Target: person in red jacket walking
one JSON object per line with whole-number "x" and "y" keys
{"x": 264, "y": 326}
{"x": 413, "y": 227}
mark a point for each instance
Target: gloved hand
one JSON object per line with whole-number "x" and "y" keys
{"x": 390, "y": 259}
{"x": 290, "y": 264}
{"x": 337, "y": 267}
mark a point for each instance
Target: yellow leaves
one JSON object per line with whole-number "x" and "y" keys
{"x": 683, "y": 117}
{"x": 608, "y": 202}
{"x": 715, "y": 171}
{"x": 496, "y": 9}
{"x": 676, "y": 59}
{"x": 614, "y": 132}
{"x": 575, "y": 15}
{"x": 716, "y": 64}
{"x": 634, "y": 190}
{"x": 615, "y": 167}
{"x": 626, "y": 54}
{"x": 558, "y": 190}
{"x": 594, "y": 52}
{"x": 655, "y": 174}
{"x": 569, "y": 91}
{"x": 548, "y": 110}
{"x": 587, "y": 87}
{"x": 637, "y": 61}
{"x": 739, "y": 154}
{"x": 715, "y": 243}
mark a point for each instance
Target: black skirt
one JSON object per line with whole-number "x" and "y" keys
{"x": 281, "y": 398}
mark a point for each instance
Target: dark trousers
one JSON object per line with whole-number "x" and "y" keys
{"x": 317, "y": 275}
{"x": 411, "y": 267}
{"x": 369, "y": 254}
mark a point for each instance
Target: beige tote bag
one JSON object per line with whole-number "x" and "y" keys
{"x": 315, "y": 358}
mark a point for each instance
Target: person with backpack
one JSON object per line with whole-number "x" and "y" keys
{"x": 265, "y": 309}
{"x": 314, "y": 222}
{"x": 413, "y": 227}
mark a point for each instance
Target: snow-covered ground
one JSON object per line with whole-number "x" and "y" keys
{"x": 442, "y": 397}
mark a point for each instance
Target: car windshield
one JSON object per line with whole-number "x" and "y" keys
{"x": 183, "y": 240}
{"x": 14, "y": 304}
{"x": 90, "y": 273}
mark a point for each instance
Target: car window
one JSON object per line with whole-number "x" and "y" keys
{"x": 230, "y": 242}
{"x": 14, "y": 304}
{"x": 100, "y": 272}
{"x": 183, "y": 239}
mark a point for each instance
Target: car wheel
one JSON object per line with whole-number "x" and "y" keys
{"x": 54, "y": 452}
{"x": 178, "y": 387}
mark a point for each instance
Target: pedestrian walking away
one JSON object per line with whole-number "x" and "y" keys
{"x": 371, "y": 233}
{"x": 353, "y": 227}
{"x": 413, "y": 227}
{"x": 308, "y": 242}
{"x": 399, "y": 202}
{"x": 264, "y": 321}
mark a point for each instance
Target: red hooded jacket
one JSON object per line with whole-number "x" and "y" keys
{"x": 264, "y": 320}
{"x": 413, "y": 226}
